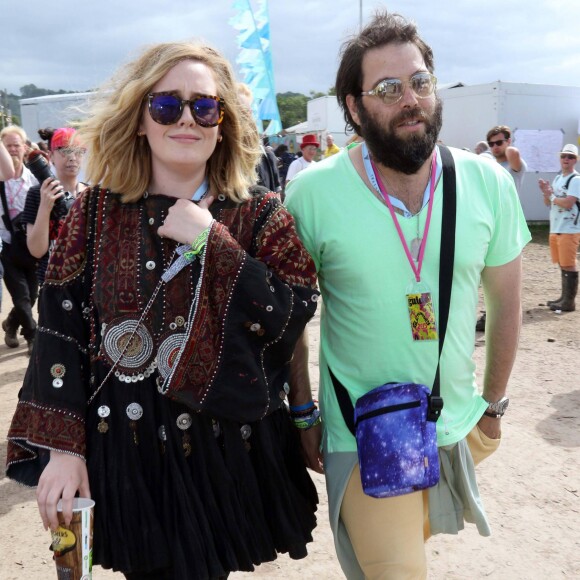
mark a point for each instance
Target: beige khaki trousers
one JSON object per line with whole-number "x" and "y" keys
{"x": 388, "y": 534}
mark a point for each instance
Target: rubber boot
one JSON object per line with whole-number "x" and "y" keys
{"x": 550, "y": 302}
{"x": 569, "y": 291}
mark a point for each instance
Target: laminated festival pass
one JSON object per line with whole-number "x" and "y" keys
{"x": 422, "y": 316}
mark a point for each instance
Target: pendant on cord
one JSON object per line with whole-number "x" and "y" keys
{"x": 415, "y": 248}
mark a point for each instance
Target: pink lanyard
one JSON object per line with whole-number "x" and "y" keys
{"x": 13, "y": 197}
{"x": 416, "y": 269}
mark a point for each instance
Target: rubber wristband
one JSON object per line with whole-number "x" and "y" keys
{"x": 309, "y": 421}
{"x": 198, "y": 244}
{"x": 308, "y": 405}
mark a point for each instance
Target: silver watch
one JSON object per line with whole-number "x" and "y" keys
{"x": 498, "y": 408}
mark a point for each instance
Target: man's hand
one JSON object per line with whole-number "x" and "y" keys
{"x": 311, "y": 439}
{"x": 300, "y": 394}
{"x": 490, "y": 426}
{"x": 546, "y": 190}
{"x": 545, "y": 187}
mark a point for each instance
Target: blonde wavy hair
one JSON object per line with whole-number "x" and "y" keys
{"x": 119, "y": 160}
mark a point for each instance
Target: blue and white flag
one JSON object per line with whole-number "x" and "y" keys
{"x": 255, "y": 61}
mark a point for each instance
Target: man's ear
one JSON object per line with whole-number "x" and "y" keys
{"x": 352, "y": 107}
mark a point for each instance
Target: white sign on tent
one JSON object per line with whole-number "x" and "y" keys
{"x": 539, "y": 148}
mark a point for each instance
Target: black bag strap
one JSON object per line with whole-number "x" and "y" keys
{"x": 577, "y": 201}
{"x": 447, "y": 256}
{"x": 567, "y": 184}
{"x": 6, "y": 215}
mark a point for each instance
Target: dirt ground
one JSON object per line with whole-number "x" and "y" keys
{"x": 530, "y": 487}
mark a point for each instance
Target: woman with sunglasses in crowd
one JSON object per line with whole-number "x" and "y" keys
{"x": 171, "y": 306}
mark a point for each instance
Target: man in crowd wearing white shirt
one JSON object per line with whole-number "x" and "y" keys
{"x": 6, "y": 172}
{"x": 20, "y": 281}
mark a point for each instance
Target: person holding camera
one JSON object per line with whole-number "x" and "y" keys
{"x": 47, "y": 204}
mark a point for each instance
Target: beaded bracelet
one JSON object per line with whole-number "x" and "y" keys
{"x": 198, "y": 244}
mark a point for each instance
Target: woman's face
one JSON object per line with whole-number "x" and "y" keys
{"x": 67, "y": 161}
{"x": 184, "y": 146}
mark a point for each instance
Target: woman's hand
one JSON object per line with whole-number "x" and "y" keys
{"x": 64, "y": 475}
{"x": 186, "y": 220}
{"x": 50, "y": 190}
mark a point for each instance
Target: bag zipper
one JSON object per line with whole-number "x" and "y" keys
{"x": 391, "y": 409}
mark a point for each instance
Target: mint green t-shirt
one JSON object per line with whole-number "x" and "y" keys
{"x": 364, "y": 277}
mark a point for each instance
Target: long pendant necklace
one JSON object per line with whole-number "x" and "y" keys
{"x": 415, "y": 245}
{"x": 416, "y": 242}
{"x": 415, "y": 264}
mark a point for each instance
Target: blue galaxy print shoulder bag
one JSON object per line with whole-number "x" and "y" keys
{"x": 394, "y": 424}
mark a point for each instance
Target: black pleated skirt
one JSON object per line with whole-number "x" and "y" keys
{"x": 177, "y": 489}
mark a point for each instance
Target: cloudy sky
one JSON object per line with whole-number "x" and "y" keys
{"x": 69, "y": 44}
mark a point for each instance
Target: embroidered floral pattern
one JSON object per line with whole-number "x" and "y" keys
{"x": 68, "y": 257}
{"x": 117, "y": 284}
{"x": 280, "y": 249}
{"x": 45, "y": 427}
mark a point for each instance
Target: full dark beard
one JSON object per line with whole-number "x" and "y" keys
{"x": 405, "y": 155}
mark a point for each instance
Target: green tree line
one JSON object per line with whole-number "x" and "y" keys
{"x": 292, "y": 106}
{"x": 11, "y": 102}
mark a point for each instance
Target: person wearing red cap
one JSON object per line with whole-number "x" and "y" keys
{"x": 47, "y": 204}
{"x": 309, "y": 147}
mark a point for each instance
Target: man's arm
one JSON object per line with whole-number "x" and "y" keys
{"x": 300, "y": 394}
{"x": 514, "y": 158}
{"x": 567, "y": 202}
{"x": 6, "y": 165}
{"x": 502, "y": 289}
